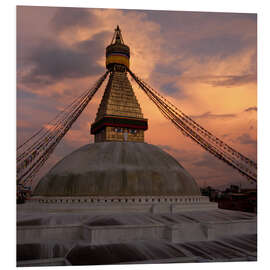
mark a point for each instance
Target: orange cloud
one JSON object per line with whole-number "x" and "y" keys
{"x": 205, "y": 64}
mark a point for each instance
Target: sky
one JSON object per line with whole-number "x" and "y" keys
{"x": 204, "y": 63}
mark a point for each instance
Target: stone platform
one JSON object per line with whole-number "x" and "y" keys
{"x": 64, "y": 237}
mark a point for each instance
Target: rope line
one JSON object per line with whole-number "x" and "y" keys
{"x": 32, "y": 159}
{"x": 205, "y": 139}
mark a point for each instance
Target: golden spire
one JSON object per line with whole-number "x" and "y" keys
{"x": 119, "y": 116}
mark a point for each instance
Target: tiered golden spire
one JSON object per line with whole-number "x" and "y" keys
{"x": 119, "y": 117}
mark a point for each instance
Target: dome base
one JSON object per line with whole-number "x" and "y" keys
{"x": 135, "y": 204}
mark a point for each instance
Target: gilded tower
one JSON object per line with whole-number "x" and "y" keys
{"x": 119, "y": 116}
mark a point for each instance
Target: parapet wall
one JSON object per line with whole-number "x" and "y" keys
{"x": 139, "y": 204}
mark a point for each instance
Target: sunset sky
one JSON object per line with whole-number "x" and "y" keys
{"x": 204, "y": 63}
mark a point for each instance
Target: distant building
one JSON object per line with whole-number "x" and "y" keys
{"x": 233, "y": 198}
{"x": 246, "y": 200}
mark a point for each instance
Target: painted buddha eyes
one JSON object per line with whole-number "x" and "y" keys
{"x": 132, "y": 131}
{"x": 119, "y": 130}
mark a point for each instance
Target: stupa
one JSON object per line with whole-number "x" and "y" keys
{"x": 122, "y": 200}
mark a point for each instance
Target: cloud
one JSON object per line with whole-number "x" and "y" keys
{"x": 181, "y": 54}
{"x": 209, "y": 161}
{"x": 209, "y": 115}
{"x": 205, "y": 161}
{"x": 170, "y": 89}
{"x": 251, "y": 109}
{"x": 167, "y": 69}
{"x": 52, "y": 61}
{"x": 222, "y": 80}
{"x": 177, "y": 153}
{"x": 246, "y": 139}
{"x": 234, "y": 80}
{"x": 66, "y": 18}
{"x": 195, "y": 22}
{"x": 165, "y": 76}
{"x": 201, "y": 36}
{"x": 168, "y": 147}
{"x": 22, "y": 95}
{"x": 210, "y": 169}
{"x": 181, "y": 155}
{"x": 219, "y": 45}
